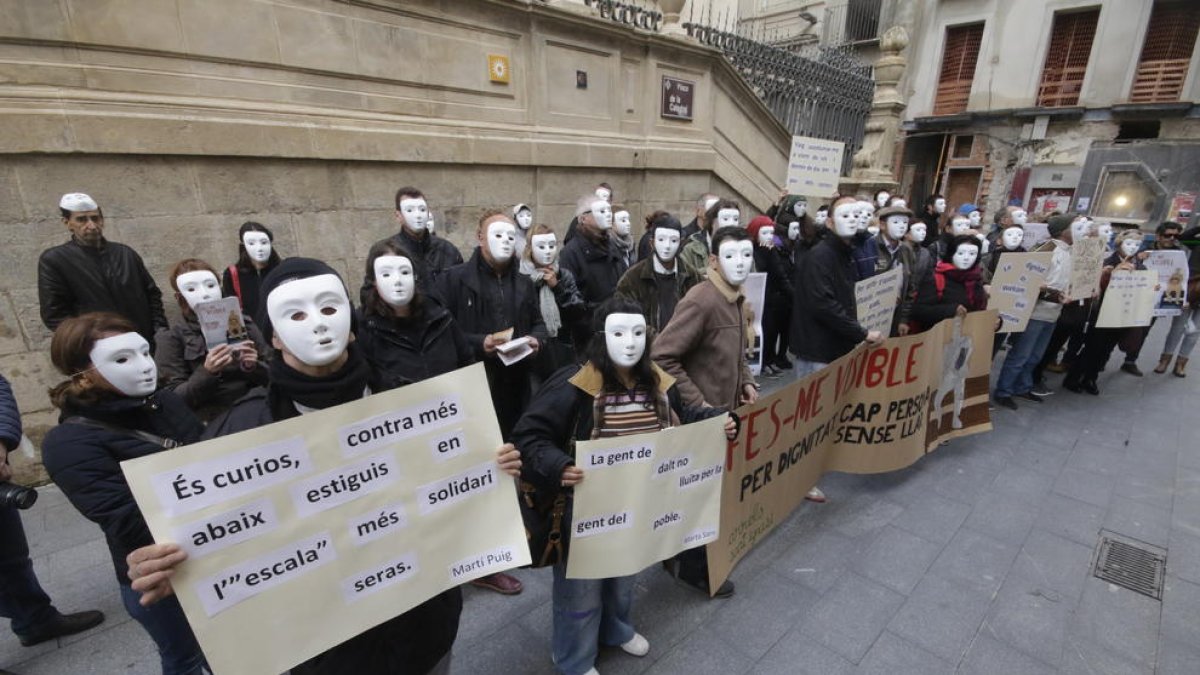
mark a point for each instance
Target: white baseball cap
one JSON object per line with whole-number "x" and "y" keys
{"x": 77, "y": 201}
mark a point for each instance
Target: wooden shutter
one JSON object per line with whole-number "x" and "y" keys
{"x": 958, "y": 69}
{"x": 1163, "y": 66}
{"x": 1067, "y": 58}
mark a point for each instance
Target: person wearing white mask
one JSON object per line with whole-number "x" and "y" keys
{"x": 309, "y": 320}
{"x": 618, "y": 391}
{"x": 595, "y": 259}
{"x": 658, "y": 282}
{"x": 559, "y": 300}
{"x": 933, "y": 213}
{"x": 256, "y": 258}
{"x": 1104, "y": 230}
{"x": 954, "y": 288}
{"x": 892, "y": 252}
{"x": 694, "y": 256}
{"x": 522, "y": 215}
{"x": 435, "y": 254}
{"x": 602, "y": 192}
{"x": 621, "y": 235}
{"x": 209, "y": 380}
{"x": 771, "y": 257}
{"x": 923, "y": 259}
{"x": 882, "y": 197}
{"x": 112, "y": 410}
{"x": 821, "y": 217}
{"x": 866, "y": 217}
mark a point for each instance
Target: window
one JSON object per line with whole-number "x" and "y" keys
{"x": 1163, "y": 65}
{"x": 962, "y": 147}
{"x": 1067, "y": 59}
{"x": 1123, "y": 197}
{"x": 958, "y": 69}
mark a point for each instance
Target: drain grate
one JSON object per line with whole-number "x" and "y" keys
{"x": 1131, "y": 566}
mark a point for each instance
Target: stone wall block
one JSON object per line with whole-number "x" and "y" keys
{"x": 317, "y": 40}
{"x": 29, "y": 374}
{"x": 229, "y": 29}
{"x": 44, "y": 20}
{"x": 123, "y": 187}
{"x": 245, "y": 186}
{"x": 141, "y": 24}
{"x": 12, "y": 338}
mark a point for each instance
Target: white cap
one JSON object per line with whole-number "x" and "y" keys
{"x": 77, "y": 201}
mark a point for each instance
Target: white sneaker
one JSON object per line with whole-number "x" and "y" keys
{"x": 593, "y": 671}
{"x": 815, "y": 495}
{"x": 637, "y": 645}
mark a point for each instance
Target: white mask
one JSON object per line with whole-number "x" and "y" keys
{"x": 872, "y": 230}
{"x": 124, "y": 360}
{"x": 621, "y": 223}
{"x": 501, "y": 240}
{"x": 736, "y": 259}
{"x": 429, "y": 224}
{"x": 1130, "y": 247}
{"x": 545, "y": 249}
{"x": 800, "y": 208}
{"x": 939, "y": 205}
{"x": 965, "y": 256}
{"x": 709, "y": 203}
{"x": 959, "y": 225}
{"x": 666, "y": 243}
{"x": 197, "y": 287}
{"x": 865, "y": 211}
{"x": 845, "y": 219}
{"x": 899, "y": 203}
{"x": 881, "y": 200}
{"x": 625, "y": 338}
{"x": 1080, "y": 228}
{"x": 524, "y": 219}
{"x": 1019, "y": 217}
{"x": 820, "y": 217}
{"x": 975, "y": 217}
{"x": 604, "y": 194}
{"x": 394, "y": 279}
{"x": 602, "y": 213}
{"x": 793, "y": 230}
{"x": 1012, "y": 238}
{"x": 258, "y": 246}
{"x": 766, "y": 235}
{"x": 728, "y": 218}
{"x": 415, "y": 212}
{"x": 897, "y": 227}
{"x": 311, "y": 317}
{"x": 1105, "y": 231}
{"x": 917, "y": 231}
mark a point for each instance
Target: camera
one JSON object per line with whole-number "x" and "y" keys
{"x": 17, "y": 495}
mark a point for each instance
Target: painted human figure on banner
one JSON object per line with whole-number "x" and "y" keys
{"x": 956, "y": 360}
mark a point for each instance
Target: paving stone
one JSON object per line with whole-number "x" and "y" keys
{"x": 935, "y": 518}
{"x": 123, "y": 648}
{"x": 1125, "y": 622}
{"x": 1085, "y": 486}
{"x": 1181, "y": 611}
{"x": 865, "y": 516}
{"x": 893, "y": 655}
{"x": 852, "y": 615}
{"x": 1003, "y": 518}
{"x": 703, "y": 653}
{"x": 975, "y": 560}
{"x": 1031, "y": 617}
{"x": 1183, "y": 556}
{"x": 1097, "y": 457}
{"x": 1156, "y": 491}
{"x": 897, "y": 559}
{"x": 818, "y": 561}
{"x": 1022, "y": 485}
{"x": 1044, "y": 458}
{"x": 1139, "y": 521}
{"x": 1055, "y": 563}
{"x": 743, "y": 620}
{"x": 1078, "y": 521}
{"x": 519, "y": 651}
{"x": 941, "y": 617}
{"x": 799, "y": 654}
{"x": 485, "y": 612}
{"x": 1177, "y": 658}
{"x": 1084, "y": 657}
{"x": 988, "y": 656}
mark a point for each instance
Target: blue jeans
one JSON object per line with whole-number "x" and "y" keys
{"x": 1016, "y": 375}
{"x": 1178, "y": 332}
{"x": 168, "y": 627}
{"x": 802, "y": 368}
{"x": 21, "y": 596}
{"x": 588, "y": 612}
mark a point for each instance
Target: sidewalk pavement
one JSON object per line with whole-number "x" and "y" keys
{"x": 977, "y": 559}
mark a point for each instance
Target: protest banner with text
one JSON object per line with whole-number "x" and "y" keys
{"x": 1015, "y": 286}
{"x": 814, "y": 166}
{"x": 645, "y": 498}
{"x": 1172, "y": 269}
{"x": 1128, "y": 300}
{"x": 304, "y": 533}
{"x": 875, "y": 299}
{"x": 1087, "y": 264}
{"x": 873, "y": 410}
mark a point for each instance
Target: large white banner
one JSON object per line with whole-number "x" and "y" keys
{"x": 307, "y": 532}
{"x": 645, "y": 498}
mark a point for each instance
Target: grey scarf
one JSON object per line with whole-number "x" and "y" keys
{"x": 546, "y": 301}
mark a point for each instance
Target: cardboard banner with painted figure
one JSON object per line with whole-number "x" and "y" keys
{"x": 1172, "y": 270}
{"x": 876, "y": 298}
{"x": 1087, "y": 264}
{"x": 755, "y": 289}
{"x": 645, "y": 498}
{"x": 304, "y": 533}
{"x": 873, "y": 410}
{"x": 1015, "y": 286}
{"x": 1129, "y": 299}
{"x": 1035, "y": 233}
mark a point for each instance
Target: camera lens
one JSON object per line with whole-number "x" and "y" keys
{"x": 18, "y": 496}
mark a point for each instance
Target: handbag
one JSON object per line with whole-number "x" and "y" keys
{"x": 543, "y": 513}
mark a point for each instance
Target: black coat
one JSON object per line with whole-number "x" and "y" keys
{"x": 250, "y": 283}
{"x": 403, "y": 351}
{"x": 434, "y": 256}
{"x": 775, "y": 262}
{"x": 597, "y": 269}
{"x": 10, "y": 417}
{"x": 928, "y": 309}
{"x": 180, "y": 358}
{"x": 74, "y": 279}
{"x": 85, "y": 462}
{"x": 824, "y": 316}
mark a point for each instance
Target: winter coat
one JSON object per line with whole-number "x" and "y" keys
{"x": 907, "y": 259}
{"x": 865, "y": 256}
{"x": 597, "y": 268}
{"x": 403, "y": 351}
{"x": 640, "y": 285}
{"x": 774, "y": 261}
{"x": 85, "y": 462}
{"x": 180, "y": 357}
{"x": 992, "y": 259}
{"x": 930, "y": 307}
{"x": 249, "y": 282}
{"x": 74, "y": 279}
{"x": 693, "y": 254}
{"x": 824, "y": 316}
{"x": 704, "y": 345}
{"x": 10, "y": 417}
{"x": 434, "y": 256}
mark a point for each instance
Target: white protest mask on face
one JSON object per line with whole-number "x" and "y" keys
{"x": 1019, "y": 217}
{"x": 766, "y": 235}
{"x": 621, "y": 224}
{"x": 625, "y": 338}
{"x": 820, "y": 217}
{"x": 1130, "y": 247}
{"x": 975, "y": 217}
{"x": 524, "y": 219}
{"x": 728, "y": 218}
{"x": 501, "y": 240}
{"x": 415, "y": 212}
{"x": 709, "y": 203}
{"x": 939, "y": 205}
{"x": 602, "y": 213}
{"x": 1080, "y": 228}
{"x": 199, "y": 286}
{"x": 881, "y": 199}
{"x": 845, "y": 219}
{"x": 1104, "y": 230}
{"x": 1012, "y": 238}
{"x": 736, "y": 259}
{"x": 900, "y": 203}
{"x": 917, "y": 231}
{"x": 965, "y": 256}
{"x": 865, "y": 211}
{"x": 124, "y": 360}
{"x": 545, "y": 249}
{"x": 311, "y": 317}
{"x": 800, "y": 208}
{"x": 897, "y": 227}
{"x": 666, "y": 243}
{"x": 793, "y": 230}
{"x": 604, "y": 194}
{"x": 257, "y": 245}
{"x": 959, "y": 225}
{"x": 429, "y": 224}
{"x": 394, "y": 279}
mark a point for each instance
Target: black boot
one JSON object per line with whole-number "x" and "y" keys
{"x": 62, "y": 626}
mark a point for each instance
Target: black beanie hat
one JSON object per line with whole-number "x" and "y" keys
{"x": 291, "y": 269}
{"x": 1058, "y": 224}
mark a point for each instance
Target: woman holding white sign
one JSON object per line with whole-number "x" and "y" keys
{"x": 618, "y": 392}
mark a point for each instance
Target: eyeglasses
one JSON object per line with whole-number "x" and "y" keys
{"x": 1169, "y": 235}
{"x": 83, "y": 219}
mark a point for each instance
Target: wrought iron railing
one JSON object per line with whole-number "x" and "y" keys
{"x": 852, "y": 22}
{"x": 824, "y": 93}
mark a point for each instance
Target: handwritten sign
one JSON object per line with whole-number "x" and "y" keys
{"x": 876, "y": 297}
{"x": 1128, "y": 300}
{"x": 814, "y": 166}
{"x": 1087, "y": 264}
{"x": 1015, "y": 286}
{"x": 1035, "y": 233}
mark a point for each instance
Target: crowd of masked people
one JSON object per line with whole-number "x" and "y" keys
{"x": 627, "y": 335}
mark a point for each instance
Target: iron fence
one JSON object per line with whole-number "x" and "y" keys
{"x": 853, "y": 22}
{"x": 824, "y": 93}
